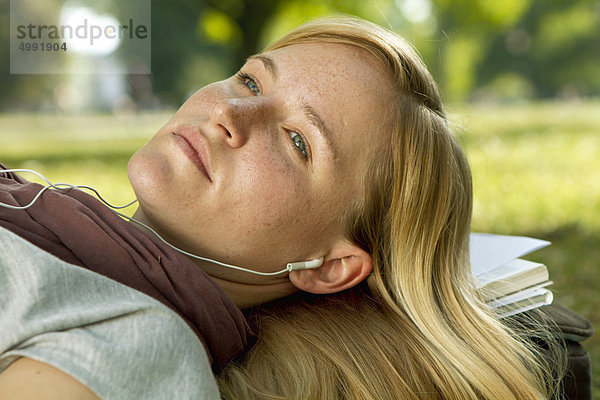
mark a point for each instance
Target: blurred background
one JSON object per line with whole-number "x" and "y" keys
{"x": 521, "y": 79}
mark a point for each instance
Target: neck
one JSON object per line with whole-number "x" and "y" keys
{"x": 245, "y": 293}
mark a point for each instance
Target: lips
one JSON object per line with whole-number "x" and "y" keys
{"x": 193, "y": 144}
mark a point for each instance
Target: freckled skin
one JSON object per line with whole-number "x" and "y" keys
{"x": 267, "y": 206}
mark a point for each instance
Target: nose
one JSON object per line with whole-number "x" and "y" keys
{"x": 237, "y": 118}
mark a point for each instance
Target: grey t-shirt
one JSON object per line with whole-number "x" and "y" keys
{"x": 118, "y": 342}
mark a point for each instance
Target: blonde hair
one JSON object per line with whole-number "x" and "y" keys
{"x": 420, "y": 329}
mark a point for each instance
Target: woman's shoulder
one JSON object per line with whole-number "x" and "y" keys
{"x": 115, "y": 340}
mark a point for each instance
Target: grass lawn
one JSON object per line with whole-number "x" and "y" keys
{"x": 536, "y": 171}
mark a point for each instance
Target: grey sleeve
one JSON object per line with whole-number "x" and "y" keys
{"x": 119, "y": 342}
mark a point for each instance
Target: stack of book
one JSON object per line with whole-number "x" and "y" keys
{"x": 506, "y": 281}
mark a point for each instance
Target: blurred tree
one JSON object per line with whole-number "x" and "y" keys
{"x": 554, "y": 47}
{"x": 194, "y": 43}
{"x": 475, "y": 48}
{"x": 174, "y": 44}
{"x": 228, "y": 31}
{"x": 542, "y": 48}
{"x": 246, "y": 21}
{"x": 469, "y": 27}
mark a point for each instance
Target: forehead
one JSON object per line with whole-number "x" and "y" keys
{"x": 333, "y": 74}
{"x": 344, "y": 83}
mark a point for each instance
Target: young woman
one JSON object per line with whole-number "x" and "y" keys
{"x": 417, "y": 329}
{"x": 331, "y": 145}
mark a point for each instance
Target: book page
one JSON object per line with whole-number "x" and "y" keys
{"x": 513, "y": 270}
{"x": 489, "y": 251}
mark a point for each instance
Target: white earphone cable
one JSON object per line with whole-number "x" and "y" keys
{"x": 200, "y": 257}
{"x": 67, "y": 186}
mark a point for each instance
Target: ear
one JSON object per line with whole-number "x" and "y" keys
{"x": 343, "y": 267}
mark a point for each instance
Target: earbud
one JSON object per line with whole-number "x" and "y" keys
{"x": 295, "y": 266}
{"x": 312, "y": 264}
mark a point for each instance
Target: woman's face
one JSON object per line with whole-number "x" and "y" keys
{"x": 260, "y": 169}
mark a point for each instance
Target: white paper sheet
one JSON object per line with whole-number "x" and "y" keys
{"x": 489, "y": 251}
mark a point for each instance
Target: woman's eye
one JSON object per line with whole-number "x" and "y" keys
{"x": 250, "y": 83}
{"x": 297, "y": 138}
{"x": 300, "y": 143}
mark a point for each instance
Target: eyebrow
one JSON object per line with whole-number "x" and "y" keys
{"x": 318, "y": 122}
{"x": 309, "y": 112}
{"x": 268, "y": 63}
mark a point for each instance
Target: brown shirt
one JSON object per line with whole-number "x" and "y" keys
{"x": 79, "y": 229}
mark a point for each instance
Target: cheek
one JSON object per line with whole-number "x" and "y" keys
{"x": 269, "y": 192}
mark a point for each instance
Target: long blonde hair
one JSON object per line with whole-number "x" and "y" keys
{"x": 419, "y": 329}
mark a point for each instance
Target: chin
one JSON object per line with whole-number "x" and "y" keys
{"x": 150, "y": 175}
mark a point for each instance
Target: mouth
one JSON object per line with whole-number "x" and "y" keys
{"x": 193, "y": 145}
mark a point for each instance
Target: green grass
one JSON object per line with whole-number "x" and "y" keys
{"x": 92, "y": 150}
{"x": 536, "y": 170}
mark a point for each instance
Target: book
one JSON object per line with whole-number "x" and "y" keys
{"x": 512, "y": 277}
{"x": 522, "y": 301}
{"x": 506, "y": 282}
